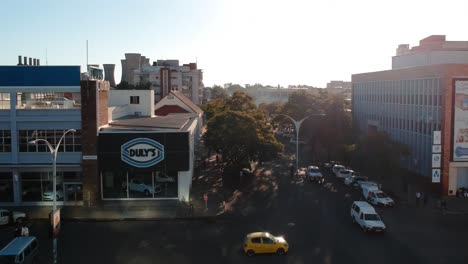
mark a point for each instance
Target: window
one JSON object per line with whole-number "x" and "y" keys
{"x": 266, "y": 240}
{"x": 134, "y": 99}
{"x": 70, "y": 143}
{"x": 4, "y": 101}
{"x": 5, "y": 141}
{"x": 50, "y": 100}
{"x": 256, "y": 240}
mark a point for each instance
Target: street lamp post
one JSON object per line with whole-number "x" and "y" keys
{"x": 297, "y": 124}
{"x": 54, "y": 152}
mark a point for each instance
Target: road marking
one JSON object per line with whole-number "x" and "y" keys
{"x": 291, "y": 224}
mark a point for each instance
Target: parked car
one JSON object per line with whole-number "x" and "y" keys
{"x": 337, "y": 168}
{"x": 366, "y": 217}
{"x": 138, "y": 186}
{"x": 314, "y": 174}
{"x": 346, "y": 173}
{"x": 329, "y": 165}
{"x": 363, "y": 183}
{"x": 353, "y": 180}
{"x": 373, "y": 195}
{"x": 164, "y": 178}
{"x": 49, "y": 194}
{"x": 264, "y": 242}
{"x": 9, "y": 217}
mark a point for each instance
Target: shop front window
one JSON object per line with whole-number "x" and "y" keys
{"x": 38, "y": 187}
{"x": 114, "y": 184}
{"x": 138, "y": 185}
{"x": 6, "y": 187}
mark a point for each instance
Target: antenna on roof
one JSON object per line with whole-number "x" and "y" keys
{"x": 87, "y": 63}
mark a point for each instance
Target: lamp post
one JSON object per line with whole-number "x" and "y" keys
{"x": 297, "y": 124}
{"x": 54, "y": 152}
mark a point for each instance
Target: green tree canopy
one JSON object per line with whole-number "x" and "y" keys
{"x": 218, "y": 92}
{"x": 241, "y": 131}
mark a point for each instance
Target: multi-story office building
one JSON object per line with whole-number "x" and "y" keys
{"x": 411, "y": 105}
{"x": 165, "y": 76}
{"x": 39, "y": 102}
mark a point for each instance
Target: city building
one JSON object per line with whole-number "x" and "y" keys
{"x": 414, "y": 105}
{"x": 338, "y": 85}
{"x": 39, "y": 102}
{"x": 120, "y": 150}
{"x": 165, "y": 76}
{"x": 431, "y": 51}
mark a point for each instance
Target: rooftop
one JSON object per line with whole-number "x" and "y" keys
{"x": 180, "y": 122}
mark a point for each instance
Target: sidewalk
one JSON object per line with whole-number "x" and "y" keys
{"x": 107, "y": 212}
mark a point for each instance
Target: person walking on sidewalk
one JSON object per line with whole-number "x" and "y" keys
{"x": 443, "y": 206}
{"x": 418, "y": 198}
{"x": 291, "y": 170}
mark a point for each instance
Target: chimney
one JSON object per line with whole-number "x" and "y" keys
{"x": 34, "y": 62}
{"x": 20, "y": 60}
{"x": 25, "y": 60}
{"x": 38, "y": 62}
{"x": 30, "y": 61}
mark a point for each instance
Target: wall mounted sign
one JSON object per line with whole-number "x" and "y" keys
{"x": 142, "y": 152}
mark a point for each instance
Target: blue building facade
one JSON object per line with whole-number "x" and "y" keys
{"x": 39, "y": 102}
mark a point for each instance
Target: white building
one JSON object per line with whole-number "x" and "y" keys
{"x": 165, "y": 76}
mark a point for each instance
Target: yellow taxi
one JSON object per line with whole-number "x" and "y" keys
{"x": 264, "y": 242}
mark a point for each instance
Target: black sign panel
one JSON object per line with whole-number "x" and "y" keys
{"x": 144, "y": 151}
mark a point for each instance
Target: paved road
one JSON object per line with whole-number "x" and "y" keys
{"x": 314, "y": 219}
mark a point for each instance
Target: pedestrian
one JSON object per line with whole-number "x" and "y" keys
{"x": 191, "y": 209}
{"x": 418, "y": 198}
{"x": 24, "y": 231}
{"x": 217, "y": 159}
{"x": 443, "y": 206}
{"x": 204, "y": 164}
{"x": 291, "y": 170}
{"x": 425, "y": 199}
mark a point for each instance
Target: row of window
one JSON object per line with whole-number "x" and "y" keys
{"x": 52, "y": 100}
{"x": 410, "y": 92}
{"x": 70, "y": 143}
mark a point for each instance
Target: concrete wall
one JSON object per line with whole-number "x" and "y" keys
{"x": 429, "y": 58}
{"x": 122, "y": 98}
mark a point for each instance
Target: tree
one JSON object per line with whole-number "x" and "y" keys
{"x": 218, "y": 92}
{"x": 377, "y": 154}
{"x": 242, "y": 132}
{"x": 140, "y": 86}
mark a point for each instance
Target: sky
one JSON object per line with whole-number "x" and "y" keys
{"x": 294, "y": 42}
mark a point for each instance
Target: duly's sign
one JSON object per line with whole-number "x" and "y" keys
{"x": 142, "y": 152}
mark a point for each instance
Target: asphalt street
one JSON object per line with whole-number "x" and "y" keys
{"x": 315, "y": 220}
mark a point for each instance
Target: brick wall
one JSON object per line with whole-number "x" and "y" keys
{"x": 94, "y": 98}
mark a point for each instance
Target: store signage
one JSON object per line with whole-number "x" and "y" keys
{"x": 435, "y": 175}
{"x": 437, "y": 138}
{"x": 142, "y": 152}
{"x": 436, "y": 149}
{"x": 436, "y": 160}
{"x": 460, "y": 121}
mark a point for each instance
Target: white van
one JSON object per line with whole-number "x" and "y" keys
{"x": 366, "y": 217}
{"x": 22, "y": 250}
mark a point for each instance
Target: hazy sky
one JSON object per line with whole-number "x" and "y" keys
{"x": 240, "y": 41}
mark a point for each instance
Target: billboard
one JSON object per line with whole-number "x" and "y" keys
{"x": 460, "y": 121}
